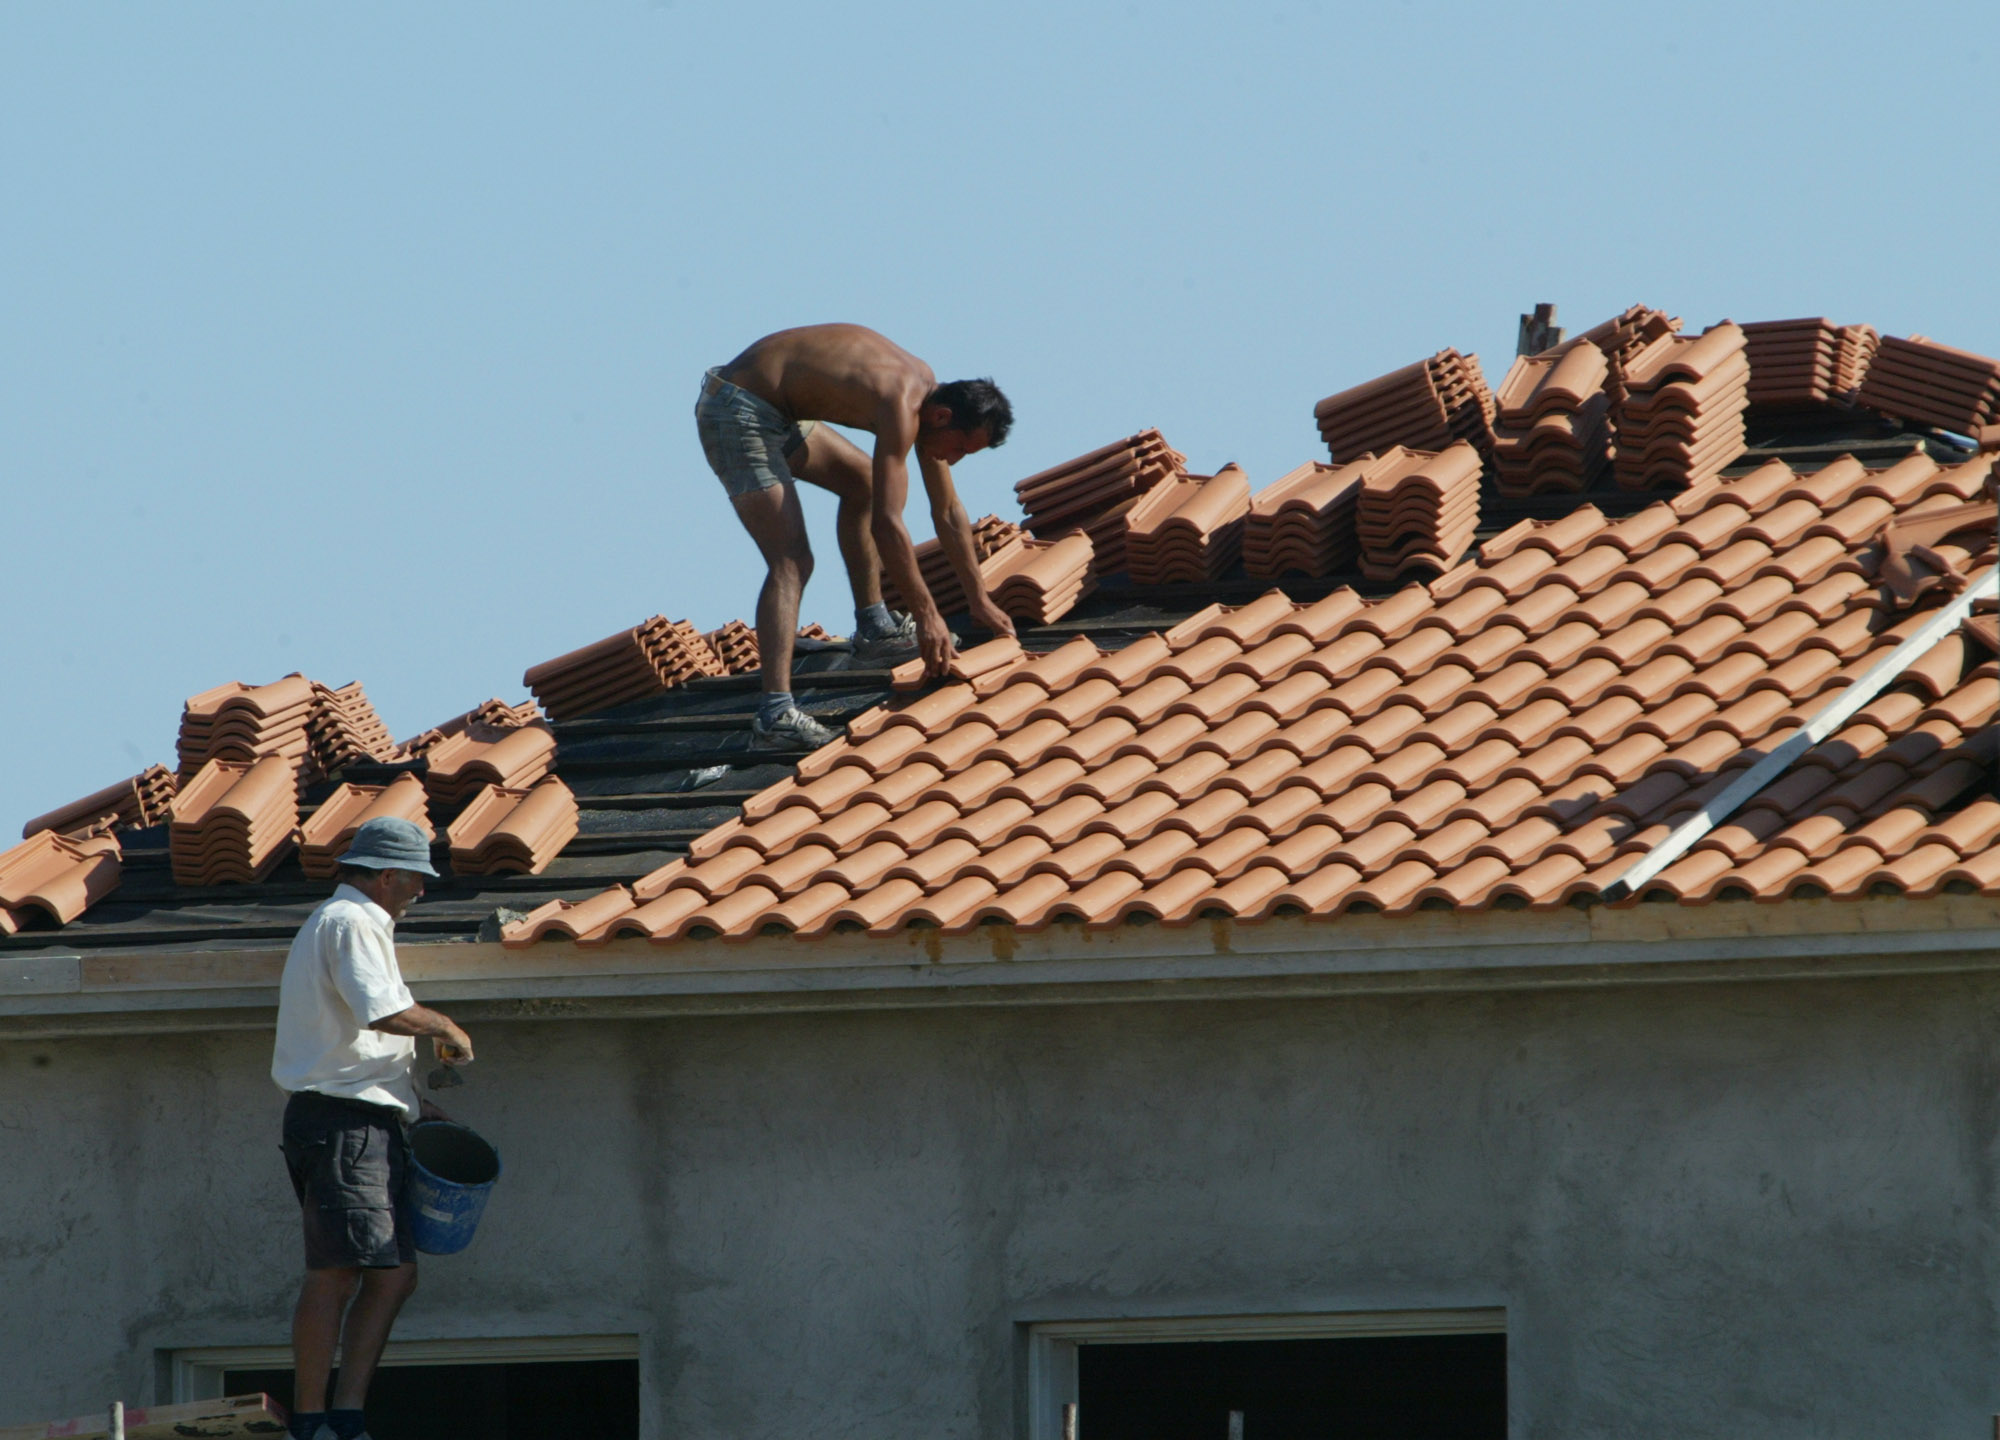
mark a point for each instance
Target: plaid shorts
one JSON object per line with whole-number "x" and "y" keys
{"x": 347, "y": 1160}
{"x": 747, "y": 439}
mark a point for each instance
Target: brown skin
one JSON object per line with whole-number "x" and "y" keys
{"x": 324, "y": 1317}
{"x": 849, "y": 375}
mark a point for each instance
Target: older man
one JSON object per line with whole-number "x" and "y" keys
{"x": 347, "y": 1029}
{"x": 759, "y": 421}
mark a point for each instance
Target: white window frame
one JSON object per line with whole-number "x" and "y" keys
{"x": 195, "y": 1373}
{"x": 1053, "y": 1344}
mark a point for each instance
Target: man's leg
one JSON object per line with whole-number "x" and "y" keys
{"x": 383, "y": 1292}
{"x": 315, "y": 1330}
{"x": 775, "y": 521}
{"x": 833, "y": 462}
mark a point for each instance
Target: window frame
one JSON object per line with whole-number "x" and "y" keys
{"x": 194, "y": 1372}
{"x": 1052, "y": 1344}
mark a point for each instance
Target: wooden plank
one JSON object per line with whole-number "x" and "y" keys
{"x": 239, "y": 1415}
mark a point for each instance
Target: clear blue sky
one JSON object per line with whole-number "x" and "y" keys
{"x": 362, "y": 339}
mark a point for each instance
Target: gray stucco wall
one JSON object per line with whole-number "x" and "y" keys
{"x": 1708, "y": 1210}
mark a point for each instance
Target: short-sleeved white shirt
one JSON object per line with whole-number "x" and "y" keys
{"x": 340, "y": 977}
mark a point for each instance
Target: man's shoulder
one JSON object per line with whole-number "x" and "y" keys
{"x": 339, "y": 913}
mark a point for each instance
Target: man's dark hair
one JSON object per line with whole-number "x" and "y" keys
{"x": 975, "y": 405}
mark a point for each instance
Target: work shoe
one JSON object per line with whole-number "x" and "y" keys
{"x": 897, "y": 644}
{"x": 326, "y": 1432}
{"x": 791, "y": 729}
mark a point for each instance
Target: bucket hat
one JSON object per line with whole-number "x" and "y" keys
{"x": 390, "y": 843}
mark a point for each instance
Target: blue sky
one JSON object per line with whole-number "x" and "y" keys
{"x": 362, "y": 340}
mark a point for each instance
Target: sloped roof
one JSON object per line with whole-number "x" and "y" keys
{"x": 1212, "y": 746}
{"x": 1512, "y": 734}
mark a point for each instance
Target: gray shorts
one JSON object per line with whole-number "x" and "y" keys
{"x": 747, "y": 439}
{"x": 347, "y": 1160}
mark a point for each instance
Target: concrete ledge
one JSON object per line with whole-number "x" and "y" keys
{"x": 54, "y": 994}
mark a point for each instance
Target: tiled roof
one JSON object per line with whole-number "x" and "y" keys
{"x": 1184, "y": 734}
{"x": 1516, "y": 733}
{"x": 989, "y": 534}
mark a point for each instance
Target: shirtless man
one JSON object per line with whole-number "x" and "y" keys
{"x": 758, "y": 421}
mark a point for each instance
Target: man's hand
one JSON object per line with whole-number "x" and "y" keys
{"x": 988, "y": 616}
{"x": 934, "y": 643}
{"x": 454, "y": 1048}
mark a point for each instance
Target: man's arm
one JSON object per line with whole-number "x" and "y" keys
{"x": 453, "y": 1045}
{"x": 954, "y": 533}
{"x": 895, "y": 433}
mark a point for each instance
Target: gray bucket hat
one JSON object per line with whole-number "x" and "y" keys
{"x": 388, "y": 843}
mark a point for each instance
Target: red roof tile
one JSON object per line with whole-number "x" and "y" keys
{"x": 129, "y": 805}
{"x": 1283, "y": 757}
{"x": 513, "y": 831}
{"x": 323, "y": 838}
{"x": 233, "y": 821}
{"x": 57, "y": 875}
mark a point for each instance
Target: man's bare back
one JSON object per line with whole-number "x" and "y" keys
{"x": 847, "y": 374}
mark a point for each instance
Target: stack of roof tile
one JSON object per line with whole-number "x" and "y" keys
{"x": 1425, "y": 406}
{"x": 1517, "y": 734}
{"x": 481, "y": 755}
{"x": 645, "y": 660}
{"x": 1095, "y": 492}
{"x": 735, "y": 645}
{"x": 1417, "y": 510}
{"x": 1681, "y": 420}
{"x": 495, "y": 714}
{"x": 989, "y": 534}
{"x": 1039, "y": 581}
{"x": 324, "y": 837}
{"x": 1807, "y": 362}
{"x": 1919, "y": 379}
{"x": 1304, "y": 521}
{"x": 508, "y": 830}
{"x": 129, "y": 805}
{"x": 1553, "y": 431}
{"x": 59, "y": 875}
{"x": 233, "y": 821}
{"x": 1624, "y": 336}
{"x": 247, "y": 722}
{"x": 1189, "y": 529}
{"x": 345, "y": 730}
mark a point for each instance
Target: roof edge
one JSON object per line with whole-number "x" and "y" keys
{"x": 53, "y": 994}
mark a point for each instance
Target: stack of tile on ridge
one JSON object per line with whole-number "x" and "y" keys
{"x": 1807, "y": 362}
{"x": 59, "y": 875}
{"x": 507, "y": 830}
{"x": 324, "y": 837}
{"x": 1553, "y": 432}
{"x": 1425, "y": 406}
{"x": 129, "y": 805}
{"x": 645, "y": 660}
{"x": 233, "y": 821}
{"x": 735, "y": 645}
{"x": 345, "y": 730}
{"x": 1188, "y": 530}
{"x": 479, "y": 755}
{"x": 1681, "y": 420}
{"x": 247, "y": 722}
{"x": 1919, "y": 379}
{"x": 989, "y": 534}
{"x": 1418, "y": 510}
{"x": 1304, "y": 522}
{"x": 496, "y": 714}
{"x": 1095, "y": 493}
{"x": 1039, "y": 581}
{"x": 1624, "y": 336}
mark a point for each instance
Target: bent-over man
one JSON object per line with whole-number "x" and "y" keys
{"x": 759, "y": 421}
{"x": 346, "y": 1044}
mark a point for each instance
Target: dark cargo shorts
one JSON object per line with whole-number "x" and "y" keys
{"x": 347, "y": 1160}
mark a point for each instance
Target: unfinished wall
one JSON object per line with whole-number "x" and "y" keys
{"x": 1707, "y": 1210}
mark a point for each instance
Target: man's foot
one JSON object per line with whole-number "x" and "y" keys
{"x": 790, "y": 729}
{"x": 327, "y": 1432}
{"x": 897, "y": 643}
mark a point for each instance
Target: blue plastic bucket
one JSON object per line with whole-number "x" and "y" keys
{"x": 452, "y": 1172}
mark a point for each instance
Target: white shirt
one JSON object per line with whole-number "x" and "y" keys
{"x": 340, "y": 977}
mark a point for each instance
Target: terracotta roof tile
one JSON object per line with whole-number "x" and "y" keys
{"x": 131, "y": 804}
{"x": 324, "y": 836}
{"x": 510, "y": 831}
{"x": 653, "y": 656}
{"x": 60, "y": 876}
{"x": 233, "y": 821}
